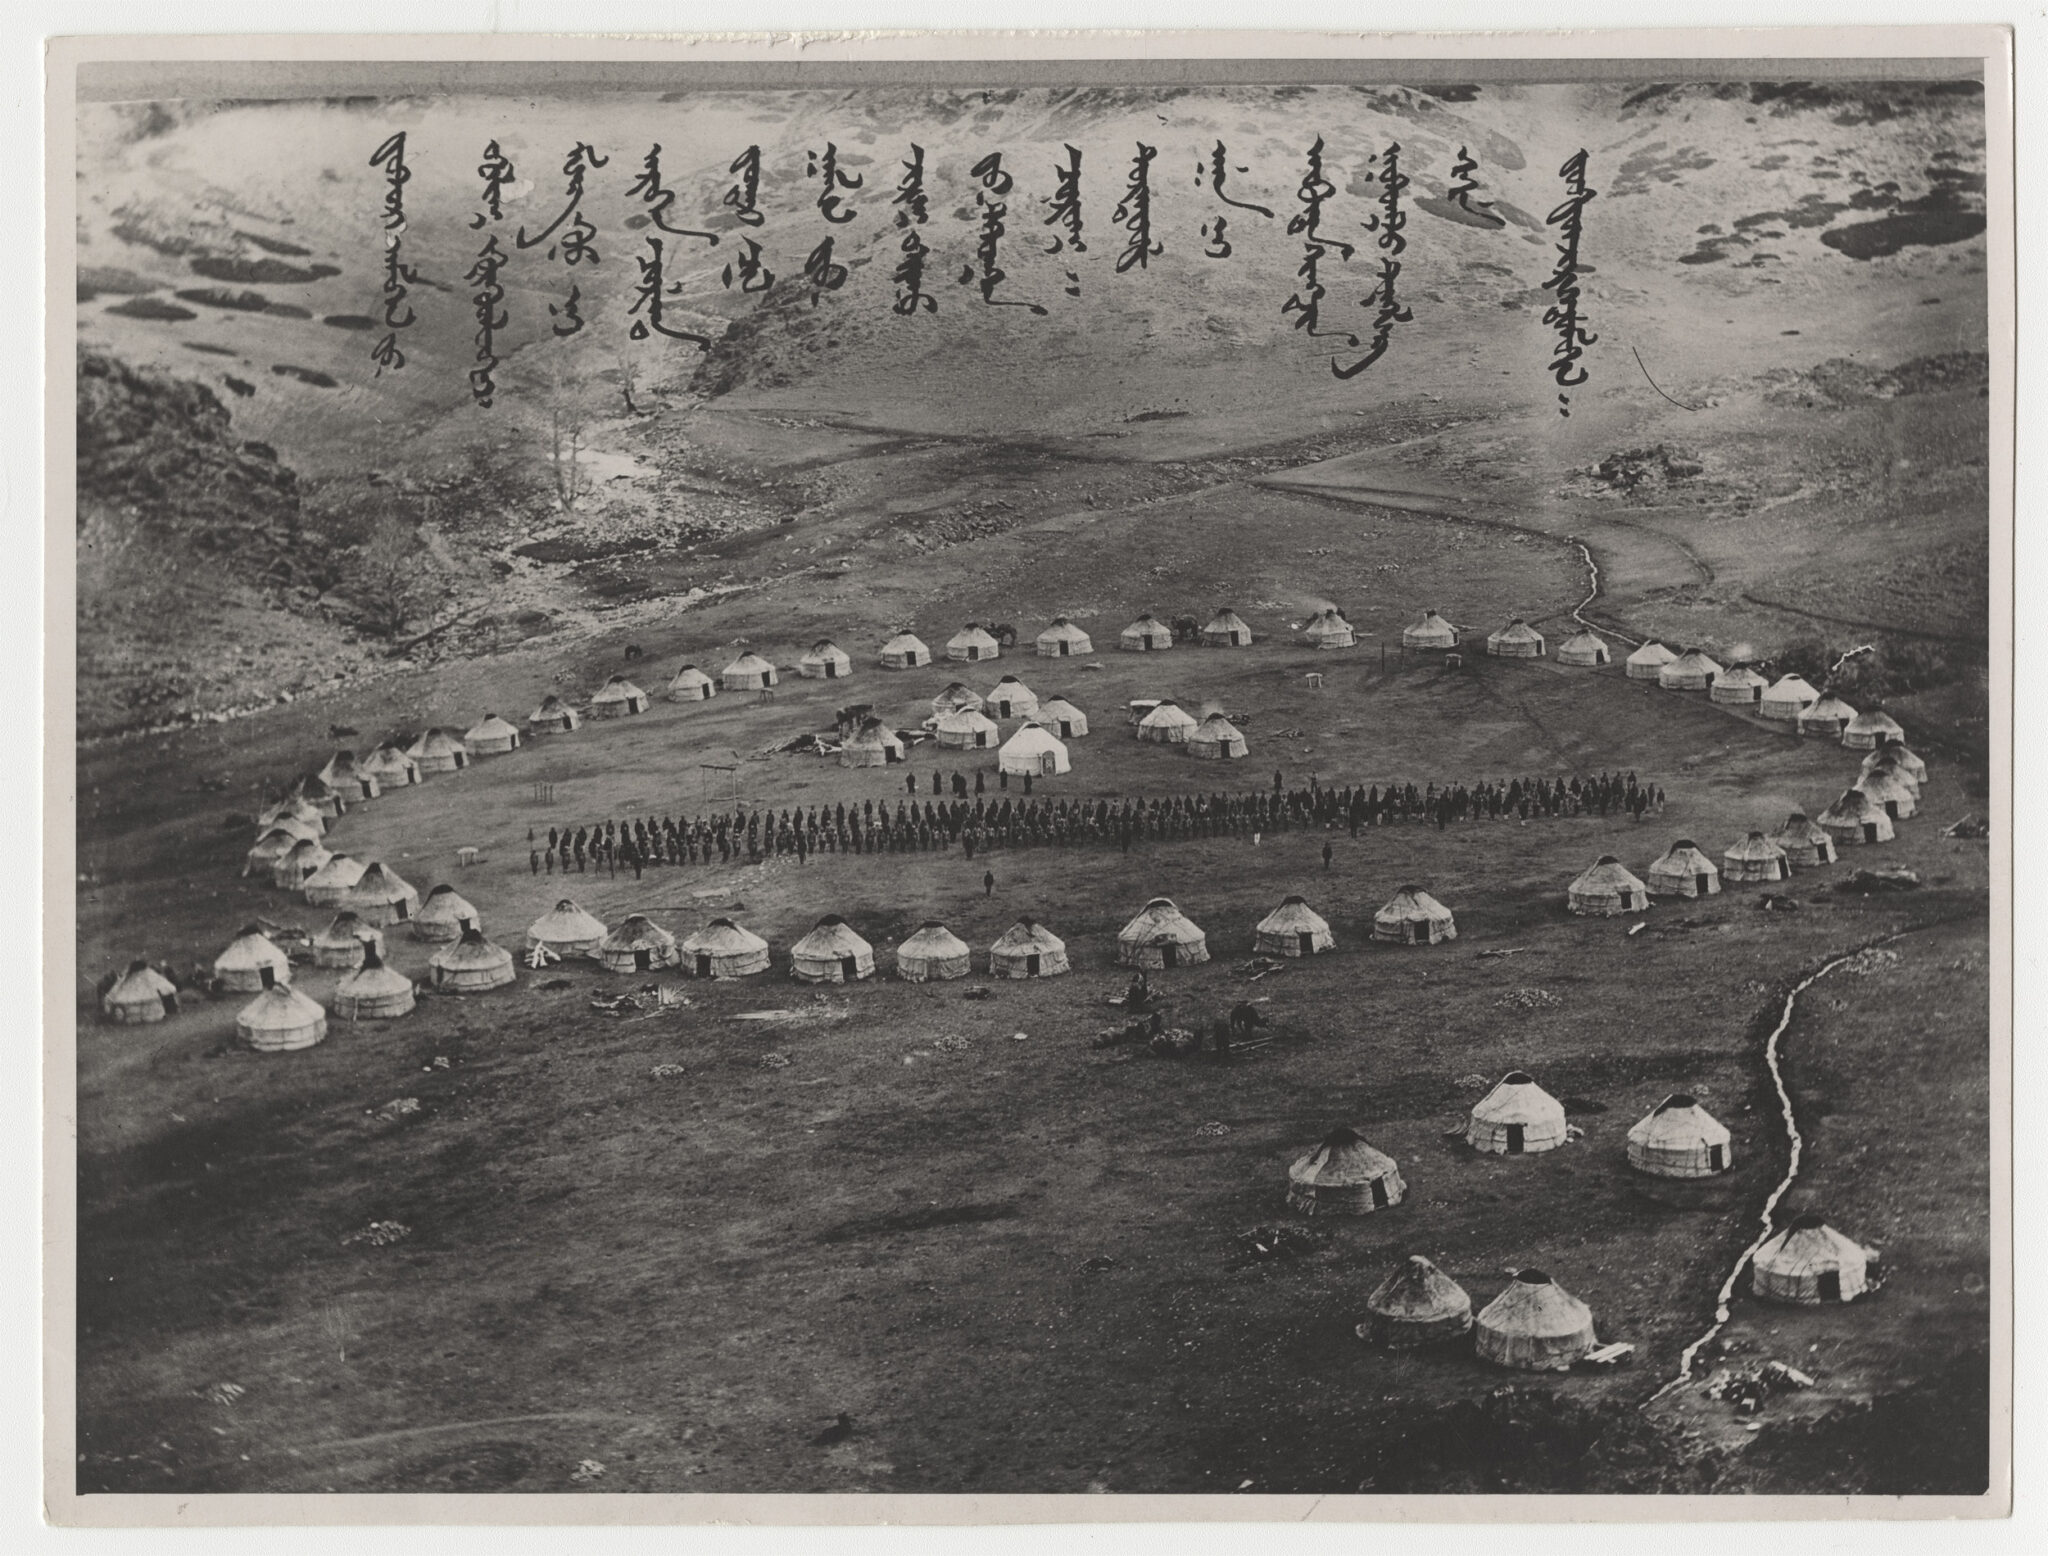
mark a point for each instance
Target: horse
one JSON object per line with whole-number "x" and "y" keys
{"x": 1186, "y": 629}
{"x": 1004, "y": 633}
{"x": 340, "y": 732}
{"x": 1243, "y": 1018}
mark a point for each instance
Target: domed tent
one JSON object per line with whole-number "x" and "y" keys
{"x": 298, "y": 864}
{"x": 905, "y": 651}
{"x": 1430, "y": 634}
{"x": 1898, "y": 754}
{"x": 1293, "y": 929}
{"x": 1517, "y": 640}
{"x": 1034, "y": 750}
{"x": 964, "y": 729}
{"x": 343, "y": 776}
{"x": 1063, "y": 718}
{"x": 491, "y": 736}
{"x": 689, "y": 684}
{"x": 1805, "y": 844}
{"x": 1027, "y": 949}
{"x": 1856, "y": 818}
{"x": 617, "y": 698}
{"x": 341, "y": 943}
{"x": 1413, "y": 917}
{"x": 1810, "y": 1263}
{"x": 1516, "y": 1118}
{"x": 1684, "y": 871}
{"x": 553, "y": 717}
{"x": 1167, "y": 724}
{"x": 1226, "y": 629}
{"x": 1011, "y": 699}
{"x": 723, "y": 949}
{"x": 473, "y": 965}
{"x": 437, "y": 751}
{"x": 826, "y": 661}
{"x": 1827, "y": 718}
{"x": 748, "y": 673}
{"x": 566, "y": 930}
{"x": 1606, "y": 888}
{"x": 1691, "y": 671}
{"x": 1885, "y": 784}
{"x": 1647, "y": 663}
{"x": 380, "y": 897}
{"x": 1679, "y": 1139}
{"x": 1161, "y": 936}
{"x": 272, "y": 846}
{"x": 1583, "y": 648}
{"x": 637, "y": 945}
{"x": 333, "y": 881}
{"x": 934, "y": 952}
{"x": 1343, "y": 1176}
{"x": 139, "y": 996}
{"x": 1739, "y": 686}
{"x": 1786, "y": 698}
{"x": 874, "y": 744}
{"x": 279, "y": 1020}
{"x": 1063, "y": 639}
{"x": 955, "y": 698}
{"x": 970, "y": 642}
{"x": 251, "y": 963}
{"x": 1870, "y": 729}
{"x": 444, "y": 915}
{"x": 1416, "y": 1305}
{"x": 1327, "y": 628}
{"x": 1755, "y": 858}
{"x": 296, "y": 815}
{"x": 373, "y": 992}
{"x": 1217, "y": 739}
{"x": 831, "y": 953}
{"x": 1148, "y": 634}
{"x": 319, "y": 795}
{"x": 391, "y": 767}
{"x": 1534, "y": 1326}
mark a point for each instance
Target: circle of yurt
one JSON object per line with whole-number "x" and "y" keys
{"x": 905, "y": 651}
{"x": 1827, "y": 717}
{"x": 1293, "y": 929}
{"x": 1885, "y": 784}
{"x": 748, "y": 673}
{"x": 1327, "y": 628}
{"x": 1033, "y": 750}
{"x": 1739, "y": 687}
{"x": 1027, "y": 949}
{"x": 1516, "y": 1118}
{"x": 381, "y": 897}
{"x": 1755, "y": 858}
{"x": 1870, "y": 729}
{"x": 1806, "y": 844}
{"x": 966, "y": 729}
{"x": 1148, "y": 634}
{"x": 298, "y": 864}
{"x": 1168, "y": 723}
{"x": 270, "y": 847}
{"x": 279, "y": 1020}
{"x": 1011, "y": 699}
{"x": 955, "y": 697}
{"x": 724, "y": 949}
{"x": 1413, "y": 917}
{"x": 444, "y": 915}
{"x": 472, "y": 965}
{"x": 552, "y": 717}
{"x": 1647, "y": 663}
{"x": 437, "y": 751}
{"x": 933, "y": 953}
{"x": 1063, "y": 640}
{"x": 825, "y": 661}
{"x": 567, "y": 930}
{"x": 139, "y": 996}
{"x": 873, "y": 744}
{"x": 1430, "y": 634}
{"x": 491, "y": 736}
{"x": 831, "y": 953}
{"x": 1900, "y": 755}
{"x": 1583, "y": 648}
{"x": 971, "y": 643}
{"x": 1691, "y": 671}
{"x": 1607, "y": 887}
{"x": 1417, "y": 1305}
{"x": 1533, "y": 1326}
{"x": 617, "y": 698}
{"x": 328, "y": 885}
{"x": 341, "y": 943}
{"x": 1679, "y": 1139}
{"x": 373, "y": 992}
{"x": 1217, "y": 739}
{"x": 1684, "y": 871}
{"x": 1343, "y": 1176}
{"x": 1809, "y": 1263}
{"x": 689, "y": 684}
{"x": 1161, "y": 936}
{"x": 1517, "y": 640}
{"x": 391, "y": 767}
{"x": 1063, "y": 718}
{"x": 251, "y": 962}
{"x": 1786, "y": 698}
{"x": 342, "y": 775}
{"x": 1226, "y": 629}
{"x": 1856, "y": 819}
{"x": 637, "y": 945}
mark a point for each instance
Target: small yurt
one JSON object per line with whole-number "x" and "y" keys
{"x": 723, "y": 949}
{"x": 1786, "y": 698}
{"x": 470, "y": 966}
{"x": 1535, "y": 1326}
{"x": 1516, "y": 1118}
{"x": 965, "y": 729}
{"x": 1856, "y": 818}
{"x": 1647, "y": 663}
{"x": 139, "y": 996}
{"x": 1684, "y": 871}
{"x": 298, "y": 864}
{"x": 1217, "y": 739}
{"x": 1755, "y": 858}
{"x": 391, "y": 767}
{"x": 1691, "y": 671}
{"x": 954, "y": 698}
{"x": 553, "y": 717}
{"x": 1328, "y": 629}
{"x": 1679, "y": 1139}
{"x": 1167, "y": 724}
{"x": 251, "y": 962}
{"x": 1027, "y": 949}
{"x": 334, "y": 880}
{"x": 320, "y": 795}
{"x": 341, "y": 943}
{"x": 825, "y": 661}
{"x": 970, "y": 642}
{"x": 491, "y": 736}
{"x": 1883, "y": 783}
{"x": 566, "y": 930}
{"x": 1900, "y": 755}
{"x": 279, "y": 1020}
{"x": 1226, "y": 629}
{"x": 444, "y": 915}
{"x": 748, "y": 673}
{"x": 874, "y": 744}
{"x": 296, "y": 815}
{"x": 1063, "y": 718}
{"x": 1870, "y": 729}
{"x": 1414, "y": 917}
{"x": 637, "y": 945}
{"x": 1293, "y": 929}
{"x": 373, "y": 992}
{"x": 1147, "y": 634}
{"x": 437, "y": 751}
{"x": 1429, "y": 634}
{"x": 617, "y": 698}
{"x": 1828, "y": 717}
{"x": 905, "y": 651}
{"x": 1809, "y": 1264}
{"x": 380, "y": 897}
{"x": 934, "y": 952}
{"x": 272, "y": 846}
{"x": 1161, "y": 936}
{"x": 1343, "y": 1176}
{"x": 1883, "y": 762}
{"x": 1033, "y": 750}
{"x": 1740, "y": 686}
{"x": 1011, "y": 699}
{"x": 1805, "y": 844}
{"x": 343, "y": 776}
{"x": 689, "y": 684}
{"x": 1416, "y": 1305}
{"x": 831, "y": 953}
{"x": 1583, "y": 648}
{"x": 1517, "y": 640}
{"x": 1063, "y": 640}
{"x": 1606, "y": 888}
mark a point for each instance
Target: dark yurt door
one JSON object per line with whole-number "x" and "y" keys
{"x": 170, "y": 1004}
{"x": 1870, "y": 832}
{"x": 1820, "y": 853}
{"x": 831, "y": 670}
{"x": 1379, "y": 1194}
{"x": 1031, "y": 965}
{"x": 1048, "y": 765}
{"x": 268, "y": 974}
{"x": 1831, "y": 1286}
{"x": 1699, "y": 884}
{"x": 1891, "y": 809}
{"x": 1717, "y": 1157}
{"x": 403, "y": 911}
{"x": 643, "y": 961}
{"x": 703, "y": 964}
{"x": 1063, "y": 648}
{"x": 1169, "y": 955}
{"x": 849, "y": 968}
{"x": 1515, "y": 1133}
{"x": 1308, "y": 943}
{"x": 1066, "y": 729}
{"x": 462, "y": 759}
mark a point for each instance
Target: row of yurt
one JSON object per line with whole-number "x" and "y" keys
{"x": 1163, "y": 936}
{"x": 1676, "y": 1139}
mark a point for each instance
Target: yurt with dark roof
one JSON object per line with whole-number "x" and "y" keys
{"x": 1584, "y": 649}
{"x": 1517, "y": 640}
{"x": 724, "y": 949}
{"x": 1063, "y": 718}
{"x": 954, "y": 698}
{"x": 1679, "y": 1139}
{"x": 1739, "y": 687}
{"x": 1413, "y": 917}
{"x": 280, "y": 1020}
{"x": 444, "y": 915}
{"x": 1343, "y": 1176}
{"x": 1691, "y": 671}
{"x": 341, "y": 943}
{"x": 343, "y": 776}
{"x": 567, "y": 930}
{"x": 617, "y": 698}
{"x": 1432, "y": 634}
{"x": 1161, "y": 936}
{"x": 1011, "y": 699}
{"x": 381, "y": 897}
{"x": 689, "y": 684}
{"x": 1535, "y": 1325}
{"x": 905, "y": 651}
{"x": 251, "y": 963}
{"x": 932, "y": 954}
{"x": 1754, "y": 858}
{"x": 141, "y": 995}
{"x": 966, "y": 729}
{"x": 1871, "y": 728}
{"x": 298, "y": 864}
{"x": 637, "y": 945}
{"x": 491, "y": 736}
{"x": 473, "y": 965}
{"x": 373, "y": 992}
{"x": 1684, "y": 871}
{"x": 437, "y": 751}
{"x": 1148, "y": 634}
{"x": 1647, "y": 663}
{"x": 1293, "y": 929}
{"x": 391, "y": 767}
{"x": 1217, "y": 739}
{"x": 1327, "y": 628}
{"x": 1810, "y": 1264}
{"x": 1063, "y": 640}
{"x": 553, "y": 717}
{"x": 972, "y": 644}
{"x": 1027, "y": 949}
{"x": 873, "y": 744}
{"x": 1226, "y": 629}
{"x": 1856, "y": 819}
{"x": 334, "y": 880}
{"x": 825, "y": 660}
{"x": 295, "y": 814}
{"x": 1827, "y": 718}
{"x": 831, "y": 953}
{"x": 1886, "y": 785}
{"x": 1415, "y": 1306}
{"x": 1786, "y": 698}
{"x": 1806, "y": 843}
{"x": 322, "y": 796}
{"x": 270, "y": 847}
{"x": 1605, "y": 888}
{"x": 1900, "y": 755}
{"x": 1516, "y": 1118}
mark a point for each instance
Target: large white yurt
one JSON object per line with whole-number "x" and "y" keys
{"x": 1034, "y": 751}
{"x": 1806, "y": 844}
{"x": 437, "y": 751}
{"x": 873, "y": 744}
{"x": 1063, "y": 640}
{"x": 391, "y": 767}
{"x": 1754, "y": 858}
{"x": 1167, "y": 724}
{"x": 139, "y": 996}
{"x": 1870, "y": 729}
{"x": 1786, "y": 698}
{"x": 748, "y": 673}
{"x": 1533, "y": 1326}
{"x": 1647, "y": 663}
{"x": 341, "y": 943}
{"x": 1517, "y": 640}
{"x": 1607, "y": 887}
{"x": 1027, "y": 949}
{"x": 1063, "y": 718}
{"x": 1217, "y": 739}
{"x": 1739, "y": 686}
{"x": 1691, "y": 671}
{"x": 1416, "y": 1305}
{"x": 825, "y": 661}
{"x": 1679, "y": 1139}
{"x": 617, "y": 698}
{"x": 971, "y": 643}
{"x": 372, "y": 992}
{"x": 279, "y": 1020}
{"x": 831, "y": 953}
{"x": 724, "y": 949}
{"x": 965, "y": 729}
{"x": 328, "y": 885}
{"x": 1293, "y": 929}
{"x": 1413, "y": 917}
{"x": 1885, "y": 784}
{"x": 298, "y": 864}
{"x": 1684, "y": 871}
{"x": 934, "y": 952}
{"x": 1161, "y": 936}
{"x": 250, "y": 963}
{"x": 1516, "y": 1118}
{"x": 491, "y": 736}
{"x": 954, "y": 697}
{"x": 637, "y": 945}
{"x": 905, "y": 651}
{"x": 1340, "y": 1175}
{"x": 689, "y": 684}
{"x": 1011, "y": 699}
{"x": 1584, "y": 648}
{"x": 1226, "y": 629}
{"x": 381, "y": 897}
{"x": 473, "y": 965}
{"x": 1856, "y": 819}
{"x": 1327, "y": 628}
{"x": 1430, "y": 634}
{"x": 1809, "y": 1263}
{"x": 344, "y": 776}
{"x": 443, "y": 915}
{"x": 567, "y": 930}
{"x": 1827, "y": 718}
{"x": 553, "y": 717}
{"x": 1147, "y": 634}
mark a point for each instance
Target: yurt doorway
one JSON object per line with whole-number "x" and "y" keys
{"x": 1515, "y": 1132}
{"x": 1307, "y": 940}
{"x": 1891, "y": 809}
{"x": 399, "y": 907}
{"x": 1870, "y": 832}
{"x": 461, "y": 759}
{"x": 849, "y": 968}
{"x": 1031, "y": 965}
{"x": 1379, "y": 1194}
{"x": 268, "y": 974}
{"x": 703, "y": 964}
{"x": 1717, "y": 1157}
{"x": 170, "y": 1001}
{"x": 1831, "y": 1286}
{"x": 1048, "y": 766}
{"x": 1169, "y": 955}
{"x": 1066, "y": 729}
{"x": 1699, "y": 883}
{"x": 643, "y": 960}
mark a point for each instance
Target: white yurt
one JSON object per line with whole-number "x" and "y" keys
{"x": 933, "y": 953}
{"x": 381, "y": 897}
{"x": 1827, "y": 718}
{"x": 139, "y": 996}
{"x": 1883, "y": 783}
{"x": 1027, "y": 949}
{"x": 279, "y": 1020}
{"x": 1855, "y": 819}
{"x": 1011, "y": 699}
{"x": 617, "y": 698}
{"x": 1901, "y": 755}
{"x": 491, "y": 736}
{"x": 1805, "y": 843}
{"x": 298, "y": 864}
{"x": 874, "y": 744}
{"x": 372, "y": 992}
{"x": 272, "y": 846}
{"x": 1534, "y": 1326}
{"x": 391, "y": 767}
{"x": 1063, "y": 640}
{"x": 1607, "y": 887}
{"x": 344, "y": 776}
{"x": 553, "y": 717}
{"x": 905, "y": 651}
{"x": 1034, "y": 751}
{"x": 1343, "y": 1176}
{"x": 748, "y": 673}
{"x": 1884, "y": 762}
{"x": 825, "y": 661}
{"x": 1517, "y": 640}
{"x": 637, "y": 945}
{"x": 472, "y": 965}
{"x": 443, "y": 915}
{"x": 1754, "y": 858}
{"x": 1161, "y": 936}
{"x": 1786, "y": 698}
{"x": 1647, "y": 663}
{"x": 1584, "y": 648}
{"x": 1684, "y": 871}
{"x": 1691, "y": 671}
{"x": 1810, "y": 1263}
{"x": 1416, "y": 1305}
{"x": 1293, "y": 929}
{"x": 1870, "y": 729}
{"x": 724, "y": 949}
{"x": 689, "y": 684}
{"x": 1430, "y": 634}
{"x": 1063, "y": 718}
{"x": 1516, "y": 1118}
{"x": 341, "y": 943}
{"x": 251, "y": 962}
{"x": 1147, "y": 634}
{"x": 1679, "y": 1139}
{"x": 831, "y": 953}
{"x": 437, "y": 751}
{"x": 1217, "y": 739}
{"x": 1167, "y": 724}
{"x": 296, "y": 815}
{"x": 1413, "y": 917}
{"x": 567, "y": 930}
{"x": 1328, "y": 629}
{"x": 1226, "y": 629}
{"x": 965, "y": 729}
{"x": 955, "y": 697}
{"x": 971, "y": 643}
{"x": 321, "y": 796}
{"x": 333, "y": 881}
{"x": 1739, "y": 687}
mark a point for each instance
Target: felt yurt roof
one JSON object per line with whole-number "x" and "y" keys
{"x": 1433, "y": 628}
{"x": 279, "y": 1008}
{"x": 1418, "y": 1293}
{"x": 565, "y": 924}
{"x": 291, "y": 825}
{"x": 1901, "y": 754}
{"x": 723, "y": 937}
{"x": 749, "y": 664}
{"x": 825, "y": 648}
{"x": 552, "y": 706}
{"x": 139, "y": 985}
{"x": 934, "y": 942}
{"x": 1809, "y": 1246}
{"x": 1057, "y": 708}
{"x": 638, "y": 932}
{"x": 1026, "y": 936}
{"x": 618, "y": 689}
{"x": 1147, "y": 625}
{"x": 1226, "y": 620}
{"x": 1158, "y": 920}
{"x": 347, "y": 928}
{"x": 966, "y": 721}
{"x": 1412, "y": 905}
{"x": 906, "y": 643}
{"x": 435, "y": 742}
{"x": 1694, "y": 661}
{"x": 1534, "y": 1304}
{"x": 1167, "y": 715}
{"x": 1032, "y": 740}
{"x": 1755, "y": 846}
{"x": 1800, "y": 828}
{"x": 1831, "y": 706}
{"x": 1684, "y": 857}
{"x": 689, "y": 678}
{"x": 339, "y": 873}
{"x": 1011, "y": 689}
{"x": 1517, "y": 1099}
{"x": 340, "y": 769}
{"x": 971, "y": 636}
{"x": 1882, "y": 783}
{"x": 472, "y": 953}
{"x": 1790, "y": 688}
{"x": 372, "y": 980}
{"x": 954, "y": 697}
{"x": 445, "y": 905}
{"x": 1678, "y": 1123}
{"x": 1341, "y": 1159}
{"x": 307, "y": 852}
{"x": 1607, "y": 874}
{"x": 1585, "y": 641}
{"x": 1062, "y": 628}
{"x": 1854, "y": 806}
{"x": 873, "y": 733}
{"x": 831, "y": 939}
{"x": 1652, "y": 653}
{"x": 1219, "y": 729}
{"x": 1293, "y": 917}
{"x": 379, "y": 883}
{"x": 1740, "y": 675}
{"x": 312, "y": 788}
{"x": 1516, "y": 631}
{"x": 491, "y": 727}
{"x": 1875, "y": 721}
{"x": 250, "y": 948}
{"x": 387, "y": 759}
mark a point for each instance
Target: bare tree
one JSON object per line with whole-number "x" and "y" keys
{"x": 629, "y": 374}
{"x": 391, "y": 576}
{"x": 565, "y": 450}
